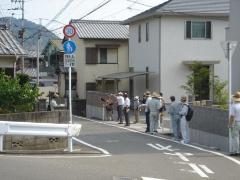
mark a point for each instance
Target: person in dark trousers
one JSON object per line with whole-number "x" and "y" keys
{"x": 126, "y": 109}
{"x": 120, "y": 103}
{"x": 147, "y": 112}
{"x": 175, "y": 117}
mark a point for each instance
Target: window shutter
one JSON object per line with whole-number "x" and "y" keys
{"x": 208, "y": 30}
{"x": 188, "y": 29}
{"x": 91, "y": 56}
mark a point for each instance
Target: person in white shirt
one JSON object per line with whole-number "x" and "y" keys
{"x": 126, "y": 109}
{"x": 234, "y": 125}
{"x": 120, "y": 103}
{"x": 53, "y": 103}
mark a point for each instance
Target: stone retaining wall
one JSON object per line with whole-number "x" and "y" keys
{"x": 35, "y": 142}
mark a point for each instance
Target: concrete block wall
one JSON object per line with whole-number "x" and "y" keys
{"x": 94, "y": 105}
{"x": 209, "y": 127}
{"x": 35, "y": 142}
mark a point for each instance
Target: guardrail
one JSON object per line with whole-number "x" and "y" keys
{"x": 39, "y": 129}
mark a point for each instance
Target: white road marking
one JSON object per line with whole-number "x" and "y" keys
{"x": 198, "y": 170}
{"x": 155, "y": 147}
{"x": 148, "y": 178}
{"x": 64, "y": 156}
{"x": 188, "y": 154}
{"x": 166, "y": 148}
{"x": 180, "y": 155}
{"x": 92, "y": 146}
{"x": 158, "y": 137}
{"x": 161, "y": 148}
{"x": 206, "y": 169}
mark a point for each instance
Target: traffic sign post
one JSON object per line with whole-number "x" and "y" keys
{"x": 69, "y": 31}
{"x": 69, "y": 47}
{"x": 69, "y": 61}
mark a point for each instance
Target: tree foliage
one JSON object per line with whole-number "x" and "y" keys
{"x": 220, "y": 92}
{"x": 198, "y": 84}
{"x": 198, "y": 81}
{"x": 16, "y": 97}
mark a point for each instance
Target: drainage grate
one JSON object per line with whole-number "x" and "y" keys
{"x": 124, "y": 178}
{"x": 53, "y": 140}
{"x": 17, "y": 144}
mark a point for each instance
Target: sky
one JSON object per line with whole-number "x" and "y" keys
{"x": 46, "y": 10}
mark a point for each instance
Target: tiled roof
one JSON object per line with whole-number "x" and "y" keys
{"x": 90, "y": 29}
{"x": 186, "y": 7}
{"x": 198, "y": 6}
{"x": 11, "y": 45}
{"x": 32, "y": 72}
{"x": 33, "y": 54}
{"x": 57, "y": 43}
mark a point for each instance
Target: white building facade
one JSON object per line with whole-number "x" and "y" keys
{"x": 170, "y": 36}
{"x": 233, "y": 35}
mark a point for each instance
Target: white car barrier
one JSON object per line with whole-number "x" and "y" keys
{"x": 39, "y": 129}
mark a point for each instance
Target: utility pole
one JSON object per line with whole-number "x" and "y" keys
{"x": 21, "y": 31}
{"x": 38, "y": 53}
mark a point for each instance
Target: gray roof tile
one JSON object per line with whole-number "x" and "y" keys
{"x": 186, "y": 7}
{"x": 11, "y": 45}
{"x": 90, "y": 29}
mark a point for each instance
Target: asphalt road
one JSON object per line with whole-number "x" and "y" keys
{"x": 132, "y": 156}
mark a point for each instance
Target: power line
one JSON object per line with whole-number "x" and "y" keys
{"x": 95, "y": 9}
{"x": 60, "y": 12}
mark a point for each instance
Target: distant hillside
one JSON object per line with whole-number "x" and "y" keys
{"x": 30, "y": 33}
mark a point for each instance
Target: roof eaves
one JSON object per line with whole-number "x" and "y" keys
{"x": 146, "y": 14}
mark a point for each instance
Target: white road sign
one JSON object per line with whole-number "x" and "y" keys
{"x": 69, "y": 60}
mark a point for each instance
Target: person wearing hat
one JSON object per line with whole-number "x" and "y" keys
{"x": 173, "y": 111}
{"x": 234, "y": 125}
{"x": 183, "y": 122}
{"x": 136, "y": 103}
{"x": 154, "y": 105}
{"x": 147, "y": 94}
{"x": 120, "y": 103}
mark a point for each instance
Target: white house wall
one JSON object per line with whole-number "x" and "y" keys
{"x": 175, "y": 49}
{"x": 145, "y": 54}
{"x": 90, "y": 72}
{"x": 7, "y": 62}
{"x": 234, "y": 32}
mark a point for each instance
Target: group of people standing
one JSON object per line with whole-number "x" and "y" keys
{"x": 123, "y": 108}
{"x": 154, "y": 107}
{"x": 180, "y": 125}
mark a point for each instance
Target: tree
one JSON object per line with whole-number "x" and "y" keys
{"x": 198, "y": 81}
{"x": 220, "y": 92}
{"x": 16, "y": 97}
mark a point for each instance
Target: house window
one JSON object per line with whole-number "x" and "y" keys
{"x": 91, "y": 86}
{"x": 91, "y": 56}
{"x": 73, "y": 84}
{"x": 139, "y": 33}
{"x": 103, "y": 55}
{"x": 198, "y": 29}
{"x": 147, "y": 31}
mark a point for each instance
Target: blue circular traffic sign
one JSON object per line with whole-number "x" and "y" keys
{"x": 69, "y": 47}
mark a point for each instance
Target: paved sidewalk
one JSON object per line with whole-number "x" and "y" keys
{"x": 141, "y": 126}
